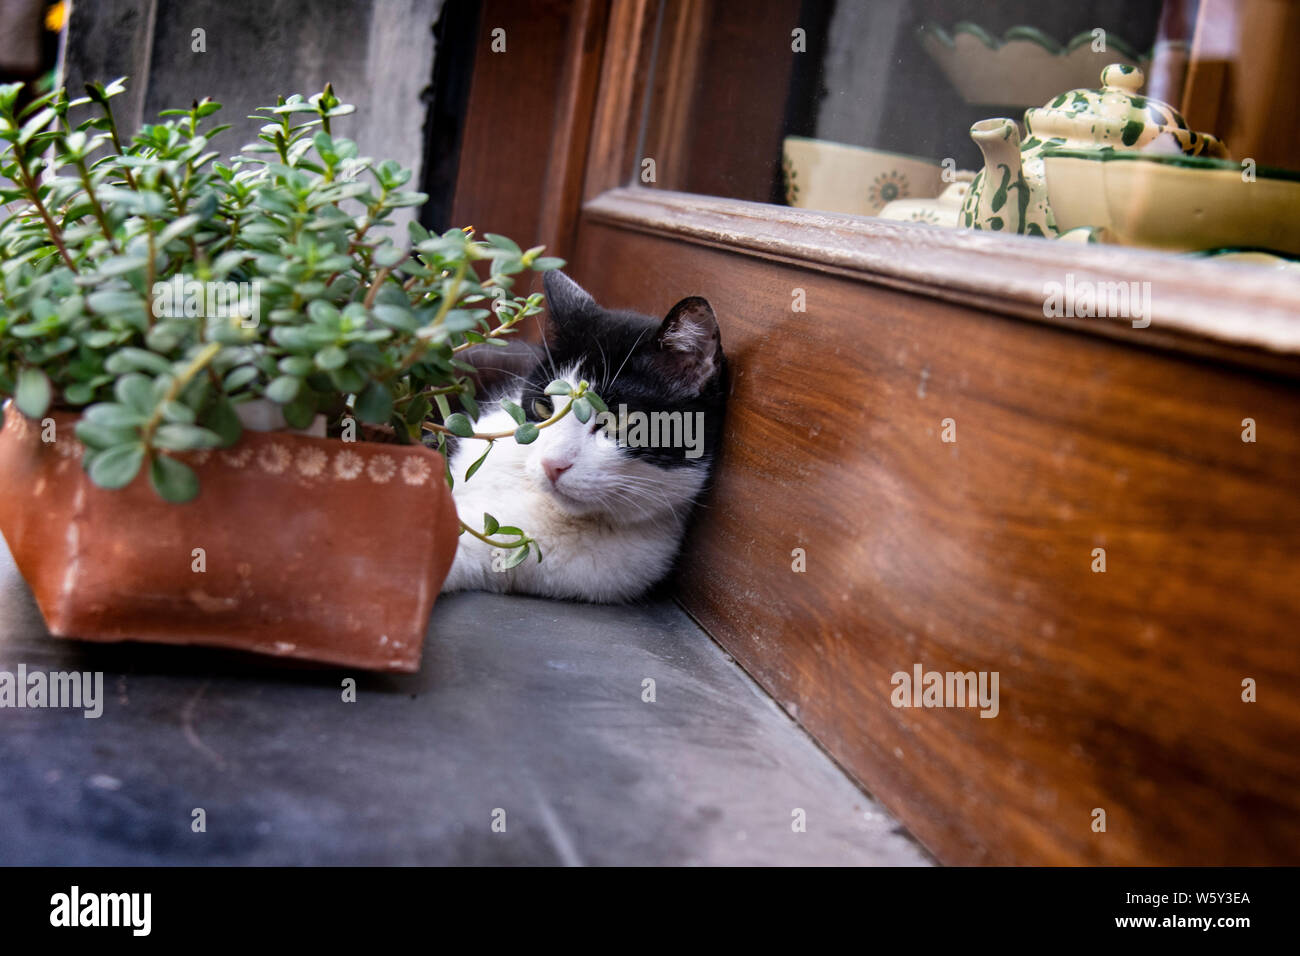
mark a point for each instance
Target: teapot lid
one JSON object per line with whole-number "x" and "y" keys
{"x": 1118, "y": 117}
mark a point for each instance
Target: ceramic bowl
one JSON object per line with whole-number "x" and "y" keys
{"x": 943, "y": 210}
{"x": 836, "y": 177}
{"x": 1023, "y": 67}
{"x": 1182, "y": 203}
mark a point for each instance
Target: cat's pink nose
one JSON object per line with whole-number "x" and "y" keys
{"x": 554, "y": 469}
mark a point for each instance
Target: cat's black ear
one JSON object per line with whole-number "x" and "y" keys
{"x": 690, "y": 343}
{"x": 565, "y": 298}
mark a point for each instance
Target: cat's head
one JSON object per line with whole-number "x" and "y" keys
{"x": 664, "y": 382}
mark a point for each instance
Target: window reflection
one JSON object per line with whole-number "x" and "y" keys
{"x": 1173, "y": 124}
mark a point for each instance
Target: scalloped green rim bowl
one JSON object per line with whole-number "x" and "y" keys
{"x": 1175, "y": 202}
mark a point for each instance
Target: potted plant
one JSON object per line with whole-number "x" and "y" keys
{"x": 221, "y": 375}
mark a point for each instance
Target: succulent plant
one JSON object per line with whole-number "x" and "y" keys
{"x": 153, "y": 288}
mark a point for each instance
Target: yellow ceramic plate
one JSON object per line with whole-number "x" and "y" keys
{"x": 1183, "y": 203}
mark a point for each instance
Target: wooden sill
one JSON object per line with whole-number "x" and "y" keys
{"x": 1242, "y": 314}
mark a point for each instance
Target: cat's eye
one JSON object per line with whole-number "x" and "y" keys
{"x": 542, "y": 408}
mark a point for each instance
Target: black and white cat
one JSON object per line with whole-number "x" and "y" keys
{"x": 607, "y": 504}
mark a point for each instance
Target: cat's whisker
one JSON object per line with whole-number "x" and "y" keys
{"x": 629, "y": 355}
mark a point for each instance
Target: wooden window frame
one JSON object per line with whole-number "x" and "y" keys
{"x": 1236, "y": 313}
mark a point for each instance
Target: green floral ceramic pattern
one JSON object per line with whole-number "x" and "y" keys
{"x": 1010, "y": 194}
{"x": 888, "y": 187}
{"x": 1032, "y": 34}
{"x": 790, "y": 176}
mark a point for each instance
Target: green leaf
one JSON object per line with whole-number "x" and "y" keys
{"x": 559, "y": 387}
{"x": 113, "y": 415}
{"x": 78, "y": 393}
{"x": 516, "y": 557}
{"x": 116, "y": 467}
{"x": 98, "y": 437}
{"x": 284, "y": 389}
{"x": 388, "y": 256}
{"x": 547, "y": 263}
{"x": 526, "y": 433}
{"x": 174, "y": 480}
{"x": 177, "y": 228}
{"x": 597, "y": 402}
{"x": 504, "y": 243}
{"x": 347, "y": 379}
{"x": 35, "y": 125}
{"x": 396, "y": 316}
{"x": 131, "y": 359}
{"x": 222, "y": 419}
{"x": 118, "y": 265}
{"x": 418, "y": 410}
{"x": 297, "y": 365}
{"x": 514, "y": 411}
{"x": 178, "y": 412}
{"x": 32, "y": 394}
{"x": 300, "y": 412}
{"x": 375, "y": 404}
{"x": 135, "y": 391}
{"x": 323, "y": 312}
{"x": 331, "y": 357}
{"x": 582, "y": 410}
{"x": 176, "y": 437}
{"x": 458, "y": 424}
{"x": 469, "y": 473}
{"x": 490, "y": 524}
{"x": 462, "y": 320}
{"x": 238, "y": 377}
{"x": 111, "y": 301}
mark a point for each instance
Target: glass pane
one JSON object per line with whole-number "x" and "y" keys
{"x": 1166, "y": 123}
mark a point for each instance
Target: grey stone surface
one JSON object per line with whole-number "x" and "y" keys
{"x": 377, "y": 53}
{"x": 534, "y": 707}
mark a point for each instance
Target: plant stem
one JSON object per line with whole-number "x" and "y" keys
{"x": 117, "y": 142}
{"x": 448, "y": 301}
{"x": 95, "y": 206}
{"x": 510, "y": 546}
{"x": 492, "y": 436}
{"x": 180, "y": 211}
{"x": 33, "y": 193}
{"x": 149, "y": 273}
{"x": 375, "y": 286}
{"x": 178, "y": 386}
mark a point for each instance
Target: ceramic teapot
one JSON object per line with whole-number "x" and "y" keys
{"x": 1010, "y": 193}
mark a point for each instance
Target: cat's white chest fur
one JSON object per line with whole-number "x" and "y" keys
{"x": 612, "y": 552}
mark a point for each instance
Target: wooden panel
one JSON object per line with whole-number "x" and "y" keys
{"x": 1243, "y": 82}
{"x": 1118, "y": 690}
{"x": 514, "y": 102}
{"x": 562, "y": 195}
{"x": 740, "y": 99}
{"x": 716, "y": 83}
{"x": 620, "y": 103}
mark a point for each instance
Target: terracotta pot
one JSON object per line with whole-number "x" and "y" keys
{"x": 311, "y": 547}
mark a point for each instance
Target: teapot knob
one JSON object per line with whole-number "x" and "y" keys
{"x": 1121, "y": 76}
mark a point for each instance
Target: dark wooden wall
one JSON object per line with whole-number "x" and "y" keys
{"x": 514, "y": 105}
